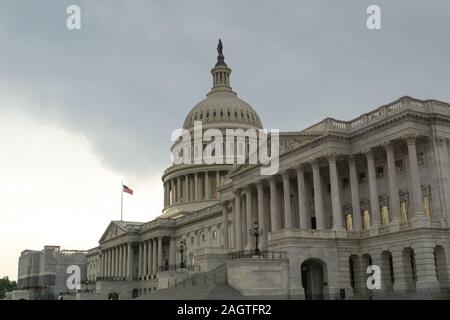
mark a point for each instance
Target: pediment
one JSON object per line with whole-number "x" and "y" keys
{"x": 112, "y": 231}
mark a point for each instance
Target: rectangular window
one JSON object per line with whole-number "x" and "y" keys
{"x": 362, "y": 177}
{"x": 328, "y": 188}
{"x": 345, "y": 182}
{"x": 380, "y": 172}
{"x": 399, "y": 167}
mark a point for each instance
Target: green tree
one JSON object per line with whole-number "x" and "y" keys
{"x": 6, "y": 286}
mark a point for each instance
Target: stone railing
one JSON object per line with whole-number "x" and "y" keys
{"x": 384, "y": 229}
{"x": 199, "y": 214}
{"x": 159, "y": 222}
{"x": 302, "y": 233}
{"x": 369, "y": 118}
{"x": 436, "y": 223}
{"x": 405, "y": 226}
{"x": 268, "y": 255}
{"x": 211, "y": 250}
{"x": 110, "y": 278}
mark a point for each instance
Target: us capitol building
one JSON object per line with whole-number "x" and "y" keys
{"x": 349, "y": 194}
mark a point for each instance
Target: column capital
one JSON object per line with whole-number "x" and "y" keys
{"x": 237, "y": 192}
{"x": 314, "y": 163}
{"x": 248, "y": 187}
{"x": 352, "y": 158}
{"x": 331, "y": 156}
{"x": 410, "y": 137}
{"x": 286, "y": 173}
{"x": 300, "y": 169}
{"x": 388, "y": 146}
{"x": 260, "y": 185}
{"x": 369, "y": 152}
{"x": 272, "y": 180}
{"x": 225, "y": 204}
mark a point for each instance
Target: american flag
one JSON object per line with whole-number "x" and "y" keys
{"x": 126, "y": 189}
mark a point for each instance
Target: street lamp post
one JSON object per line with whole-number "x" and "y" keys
{"x": 182, "y": 249}
{"x": 256, "y": 233}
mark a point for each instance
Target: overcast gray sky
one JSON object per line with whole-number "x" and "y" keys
{"x": 101, "y": 102}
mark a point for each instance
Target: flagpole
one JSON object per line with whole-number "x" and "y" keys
{"x": 121, "y": 202}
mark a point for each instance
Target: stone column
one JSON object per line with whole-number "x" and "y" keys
{"x": 217, "y": 182}
{"x": 102, "y": 254}
{"x": 273, "y": 204}
{"x": 226, "y": 244}
{"x": 106, "y": 263}
{"x": 248, "y": 212}
{"x": 233, "y": 226}
{"x": 196, "y": 186}
{"x": 179, "y": 196}
{"x": 172, "y": 188}
{"x": 154, "y": 257}
{"x": 172, "y": 252}
{"x": 165, "y": 194}
{"x": 129, "y": 262}
{"x": 302, "y": 205}
{"x": 150, "y": 257}
{"x": 393, "y": 185}
{"x": 124, "y": 260}
{"x": 119, "y": 274}
{"x": 338, "y": 218}
{"x": 287, "y": 200}
{"x": 113, "y": 261}
{"x": 140, "y": 260}
{"x": 356, "y": 208}
{"x": 118, "y": 261}
{"x": 238, "y": 225}
{"x": 186, "y": 188}
{"x": 160, "y": 262}
{"x": 207, "y": 186}
{"x": 318, "y": 197}
{"x": 105, "y": 260}
{"x": 416, "y": 187}
{"x": 261, "y": 222}
{"x": 441, "y": 164}
{"x": 426, "y": 267}
{"x": 144, "y": 259}
{"x": 373, "y": 189}
{"x": 402, "y": 270}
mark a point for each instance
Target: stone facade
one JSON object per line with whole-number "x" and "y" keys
{"x": 349, "y": 194}
{"x": 43, "y": 274}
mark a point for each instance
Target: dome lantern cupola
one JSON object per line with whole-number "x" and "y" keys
{"x": 221, "y": 72}
{"x": 222, "y": 108}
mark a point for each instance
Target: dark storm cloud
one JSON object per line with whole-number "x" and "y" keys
{"x": 136, "y": 68}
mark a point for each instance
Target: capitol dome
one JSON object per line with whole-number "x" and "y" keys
{"x": 222, "y": 107}
{"x": 192, "y": 187}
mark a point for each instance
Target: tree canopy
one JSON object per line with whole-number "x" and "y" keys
{"x": 6, "y": 286}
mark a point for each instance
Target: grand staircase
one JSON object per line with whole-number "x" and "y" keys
{"x": 199, "y": 286}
